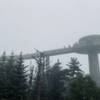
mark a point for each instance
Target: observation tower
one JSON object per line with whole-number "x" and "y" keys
{"x": 90, "y": 45}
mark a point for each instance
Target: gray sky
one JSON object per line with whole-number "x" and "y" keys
{"x": 46, "y": 24}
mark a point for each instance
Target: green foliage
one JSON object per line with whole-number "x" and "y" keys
{"x": 13, "y": 78}
{"x": 19, "y": 80}
{"x": 3, "y": 76}
{"x": 30, "y": 84}
{"x": 6, "y": 74}
{"x": 83, "y": 88}
{"x": 39, "y": 87}
{"x": 80, "y": 87}
{"x": 55, "y": 82}
{"x": 74, "y": 68}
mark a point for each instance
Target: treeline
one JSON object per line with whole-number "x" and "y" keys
{"x": 44, "y": 82}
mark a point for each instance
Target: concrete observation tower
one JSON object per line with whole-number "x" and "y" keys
{"x": 89, "y": 45}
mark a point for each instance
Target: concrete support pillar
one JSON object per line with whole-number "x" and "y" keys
{"x": 94, "y": 67}
{"x": 47, "y": 62}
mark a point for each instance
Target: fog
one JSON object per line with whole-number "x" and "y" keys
{"x": 46, "y": 24}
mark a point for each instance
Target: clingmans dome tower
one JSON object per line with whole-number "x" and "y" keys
{"x": 90, "y": 45}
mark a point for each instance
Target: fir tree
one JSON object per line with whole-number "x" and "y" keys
{"x": 30, "y": 83}
{"x": 10, "y": 67}
{"x": 3, "y": 80}
{"x": 40, "y": 88}
{"x": 55, "y": 82}
{"x": 19, "y": 81}
{"x": 83, "y": 88}
{"x": 74, "y": 68}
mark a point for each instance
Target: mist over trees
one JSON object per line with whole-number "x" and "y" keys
{"x": 37, "y": 82}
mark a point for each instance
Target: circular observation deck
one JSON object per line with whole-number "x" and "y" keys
{"x": 89, "y": 44}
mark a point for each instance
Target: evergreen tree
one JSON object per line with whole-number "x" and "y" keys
{"x": 30, "y": 83}
{"x": 74, "y": 68}
{"x": 10, "y": 67}
{"x": 83, "y": 88}
{"x": 55, "y": 83}
{"x": 19, "y": 80}
{"x": 6, "y": 73}
{"x": 74, "y": 72}
{"x": 3, "y": 81}
{"x": 40, "y": 88}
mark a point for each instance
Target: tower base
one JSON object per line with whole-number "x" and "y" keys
{"x": 94, "y": 67}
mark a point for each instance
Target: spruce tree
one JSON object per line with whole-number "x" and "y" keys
{"x": 55, "y": 82}
{"x": 19, "y": 80}
{"x": 40, "y": 88}
{"x": 74, "y": 72}
{"x": 83, "y": 88}
{"x": 3, "y": 79}
{"x": 30, "y": 83}
{"x": 10, "y": 67}
{"x": 6, "y": 76}
{"x": 74, "y": 68}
